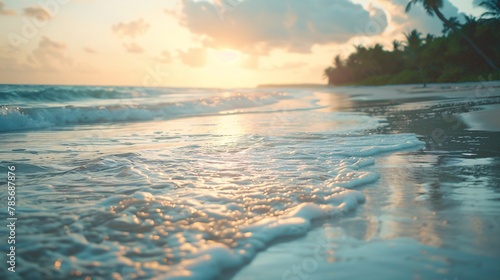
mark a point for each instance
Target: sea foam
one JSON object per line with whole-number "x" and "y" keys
{"x": 14, "y": 118}
{"x": 195, "y": 213}
{"x": 185, "y": 201}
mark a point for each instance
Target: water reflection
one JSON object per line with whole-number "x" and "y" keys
{"x": 437, "y": 204}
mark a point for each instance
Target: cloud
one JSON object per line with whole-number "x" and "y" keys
{"x": 37, "y": 13}
{"x": 132, "y": 29}
{"x": 48, "y": 44}
{"x": 9, "y": 62}
{"x": 4, "y": 12}
{"x": 417, "y": 18}
{"x": 165, "y": 57}
{"x": 259, "y": 26}
{"x": 194, "y": 57}
{"x": 224, "y": 6}
{"x": 250, "y": 63}
{"x": 49, "y": 55}
{"x": 12, "y": 65}
{"x": 89, "y": 50}
{"x": 133, "y": 48}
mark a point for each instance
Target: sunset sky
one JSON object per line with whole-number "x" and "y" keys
{"x": 220, "y": 43}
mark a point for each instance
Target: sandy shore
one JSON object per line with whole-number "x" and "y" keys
{"x": 434, "y": 214}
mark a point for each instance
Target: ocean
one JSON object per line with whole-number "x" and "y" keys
{"x": 190, "y": 183}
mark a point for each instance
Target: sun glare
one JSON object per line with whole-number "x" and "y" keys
{"x": 226, "y": 56}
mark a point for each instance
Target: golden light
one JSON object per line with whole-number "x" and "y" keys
{"x": 230, "y": 127}
{"x": 226, "y": 56}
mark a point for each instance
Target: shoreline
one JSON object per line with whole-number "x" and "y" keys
{"x": 430, "y": 210}
{"x": 293, "y": 150}
{"x": 447, "y": 84}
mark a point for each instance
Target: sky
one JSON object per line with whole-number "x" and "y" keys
{"x": 196, "y": 43}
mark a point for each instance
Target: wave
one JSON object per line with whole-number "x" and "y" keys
{"x": 192, "y": 213}
{"x": 16, "y": 119}
{"x": 28, "y": 93}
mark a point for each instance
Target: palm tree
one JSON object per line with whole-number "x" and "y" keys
{"x": 470, "y": 26}
{"x": 413, "y": 40}
{"x": 328, "y": 73}
{"x": 433, "y": 7}
{"x": 396, "y": 45}
{"x": 492, "y": 7}
{"x": 337, "y": 61}
{"x": 454, "y": 21}
{"x": 414, "y": 47}
{"x": 429, "y": 38}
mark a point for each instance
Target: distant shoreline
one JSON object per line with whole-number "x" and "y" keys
{"x": 495, "y": 78}
{"x": 384, "y": 80}
{"x": 293, "y": 85}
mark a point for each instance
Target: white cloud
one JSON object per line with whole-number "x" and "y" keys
{"x": 417, "y": 18}
{"x": 259, "y": 26}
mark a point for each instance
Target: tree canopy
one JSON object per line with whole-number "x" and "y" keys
{"x": 422, "y": 59}
{"x": 465, "y": 50}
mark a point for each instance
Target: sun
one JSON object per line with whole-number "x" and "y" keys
{"x": 226, "y": 56}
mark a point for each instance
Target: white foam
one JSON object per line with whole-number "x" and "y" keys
{"x": 379, "y": 144}
{"x": 210, "y": 261}
{"x": 210, "y": 222}
{"x": 195, "y": 210}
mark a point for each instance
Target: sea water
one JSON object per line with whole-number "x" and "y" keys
{"x": 168, "y": 183}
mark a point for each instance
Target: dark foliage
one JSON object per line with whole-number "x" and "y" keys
{"x": 447, "y": 58}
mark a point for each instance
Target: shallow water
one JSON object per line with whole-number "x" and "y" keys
{"x": 433, "y": 214}
{"x": 192, "y": 183}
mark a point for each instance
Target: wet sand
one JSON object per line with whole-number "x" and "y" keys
{"x": 486, "y": 119}
{"x": 434, "y": 213}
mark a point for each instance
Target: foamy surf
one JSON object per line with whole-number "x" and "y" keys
{"x": 45, "y": 114}
{"x": 177, "y": 198}
{"x": 150, "y": 215}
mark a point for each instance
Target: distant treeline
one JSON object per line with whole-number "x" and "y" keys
{"x": 464, "y": 51}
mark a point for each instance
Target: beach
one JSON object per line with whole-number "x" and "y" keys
{"x": 392, "y": 182}
{"x": 432, "y": 215}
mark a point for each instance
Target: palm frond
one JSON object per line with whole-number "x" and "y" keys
{"x": 492, "y": 8}
{"x": 409, "y": 5}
